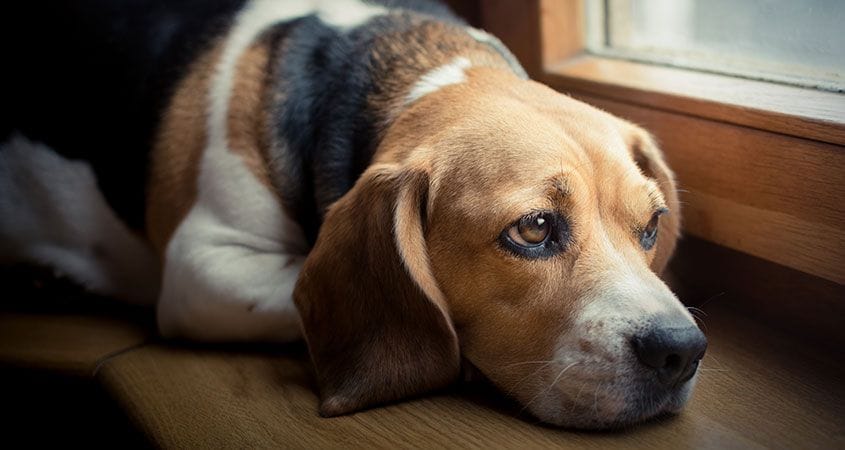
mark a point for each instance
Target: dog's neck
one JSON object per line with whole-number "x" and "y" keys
{"x": 337, "y": 92}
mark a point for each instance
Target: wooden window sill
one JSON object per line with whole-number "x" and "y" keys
{"x": 790, "y": 110}
{"x": 761, "y": 166}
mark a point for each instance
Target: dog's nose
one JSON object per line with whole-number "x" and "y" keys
{"x": 673, "y": 352}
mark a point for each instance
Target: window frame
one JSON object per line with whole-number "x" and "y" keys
{"x": 770, "y": 135}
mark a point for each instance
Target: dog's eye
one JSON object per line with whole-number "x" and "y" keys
{"x": 530, "y": 231}
{"x": 537, "y": 235}
{"x": 648, "y": 237}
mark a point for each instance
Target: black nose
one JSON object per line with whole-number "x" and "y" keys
{"x": 672, "y": 352}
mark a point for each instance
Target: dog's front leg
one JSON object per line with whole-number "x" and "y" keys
{"x": 222, "y": 284}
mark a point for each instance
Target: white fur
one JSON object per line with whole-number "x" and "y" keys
{"x": 488, "y": 39}
{"x": 435, "y": 79}
{"x": 623, "y": 300}
{"x": 348, "y": 14}
{"x": 52, "y": 213}
{"x": 231, "y": 265}
{"x": 480, "y": 35}
{"x": 637, "y": 288}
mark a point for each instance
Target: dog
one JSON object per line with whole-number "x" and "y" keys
{"x": 376, "y": 177}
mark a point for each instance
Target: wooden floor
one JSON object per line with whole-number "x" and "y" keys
{"x": 766, "y": 382}
{"x": 757, "y": 389}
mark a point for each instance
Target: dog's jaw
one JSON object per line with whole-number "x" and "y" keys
{"x": 596, "y": 380}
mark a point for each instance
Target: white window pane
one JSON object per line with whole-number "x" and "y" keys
{"x": 796, "y": 41}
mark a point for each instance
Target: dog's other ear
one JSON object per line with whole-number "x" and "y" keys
{"x": 376, "y": 324}
{"x": 649, "y": 158}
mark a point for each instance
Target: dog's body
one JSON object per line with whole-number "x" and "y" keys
{"x": 344, "y": 141}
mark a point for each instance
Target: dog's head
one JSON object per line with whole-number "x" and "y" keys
{"x": 517, "y": 228}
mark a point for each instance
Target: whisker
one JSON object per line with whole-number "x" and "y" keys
{"x": 521, "y": 380}
{"x": 551, "y": 385}
{"x": 710, "y": 299}
{"x": 596, "y": 399}
{"x": 577, "y": 396}
{"x": 708, "y": 356}
{"x": 698, "y": 310}
{"x": 699, "y": 319}
{"x": 529, "y": 362}
{"x": 557, "y": 378}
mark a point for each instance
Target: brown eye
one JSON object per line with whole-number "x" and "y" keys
{"x": 530, "y": 231}
{"x": 539, "y": 235}
{"x": 648, "y": 237}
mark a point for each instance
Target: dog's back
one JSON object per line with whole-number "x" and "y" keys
{"x": 87, "y": 85}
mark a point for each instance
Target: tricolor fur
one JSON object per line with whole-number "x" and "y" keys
{"x": 342, "y": 171}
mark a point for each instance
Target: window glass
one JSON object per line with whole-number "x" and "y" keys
{"x": 793, "y": 41}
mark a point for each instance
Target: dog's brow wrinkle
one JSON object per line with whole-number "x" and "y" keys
{"x": 655, "y": 195}
{"x": 560, "y": 183}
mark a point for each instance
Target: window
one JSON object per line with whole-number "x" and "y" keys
{"x": 761, "y": 162}
{"x": 788, "y": 41}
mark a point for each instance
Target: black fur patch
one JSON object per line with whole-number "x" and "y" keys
{"x": 90, "y": 78}
{"x": 330, "y": 133}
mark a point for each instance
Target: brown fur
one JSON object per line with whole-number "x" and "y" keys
{"x": 249, "y": 107}
{"x": 418, "y": 56}
{"x": 182, "y": 136}
{"x": 407, "y": 273}
{"x": 373, "y": 334}
{"x": 650, "y": 161}
{"x": 490, "y": 150}
{"x": 172, "y": 187}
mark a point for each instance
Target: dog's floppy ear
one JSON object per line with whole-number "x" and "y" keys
{"x": 376, "y": 324}
{"x": 649, "y": 158}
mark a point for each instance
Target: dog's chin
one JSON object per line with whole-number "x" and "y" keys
{"x": 615, "y": 406}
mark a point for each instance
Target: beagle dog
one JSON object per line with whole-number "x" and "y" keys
{"x": 374, "y": 176}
